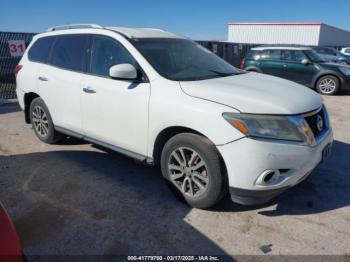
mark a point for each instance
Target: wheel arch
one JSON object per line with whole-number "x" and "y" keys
{"x": 253, "y": 69}
{"x": 165, "y": 135}
{"x": 170, "y": 132}
{"x": 28, "y": 98}
{"x": 327, "y": 73}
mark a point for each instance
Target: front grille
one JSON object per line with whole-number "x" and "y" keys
{"x": 314, "y": 122}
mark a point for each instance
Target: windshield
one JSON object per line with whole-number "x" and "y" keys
{"x": 327, "y": 51}
{"x": 183, "y": 59}
{"x": 314, "y": 56}
{"x": 331, "y": 51}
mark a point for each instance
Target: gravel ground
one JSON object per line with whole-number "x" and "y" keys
{"x": 77, "y": 198}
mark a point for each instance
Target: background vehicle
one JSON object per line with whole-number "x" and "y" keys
{"x": 345, "y": 51}
{"x": 10, "y": 248}
{"x": 164, "y": 99}
{"x": 300, "y": 64}
{"x": 331, "y": 54}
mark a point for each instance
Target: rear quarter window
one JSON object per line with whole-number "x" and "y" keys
{"x": 40, "y": 50}
{"x": 254, "y": 55}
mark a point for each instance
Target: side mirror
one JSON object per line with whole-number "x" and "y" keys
{"x": 305, "y": 61}
{"x": 123, "y": 72}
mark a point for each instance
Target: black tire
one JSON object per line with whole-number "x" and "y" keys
{"x": 51, "y": 136}
{"x": 332, "y": 89}
{"x": 216, "y": 187}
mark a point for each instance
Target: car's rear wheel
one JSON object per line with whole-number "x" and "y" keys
{"x": 42, "y": 122}
{"x": 192, "y": 165}
{"x": 328, "y": 85}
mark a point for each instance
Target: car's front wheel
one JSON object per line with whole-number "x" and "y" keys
{"x": 42, "y": 122}
{"x": 191, "y": 163}
{"x": 328, "y": 85}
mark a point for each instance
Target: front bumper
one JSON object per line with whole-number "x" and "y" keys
{"x": 248, "y": 161}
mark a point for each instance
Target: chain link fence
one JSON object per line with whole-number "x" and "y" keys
{"x": 12, "y": 46}
{"x": 233, "y": 53}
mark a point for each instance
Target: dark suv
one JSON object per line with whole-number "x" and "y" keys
{"x": 299, "y": 64}
{"x": 332, "y": 55}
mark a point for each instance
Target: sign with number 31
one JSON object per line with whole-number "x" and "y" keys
{"x": 17, "y": 47}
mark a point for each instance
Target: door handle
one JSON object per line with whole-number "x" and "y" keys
{"x": 43, "y": 78}
{"x": 89, "y": 90}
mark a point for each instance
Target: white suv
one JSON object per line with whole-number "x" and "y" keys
{"x": 163, "y": 99}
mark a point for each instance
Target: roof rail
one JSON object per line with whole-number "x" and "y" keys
{"x": 73, "y": 26}
{"x": 151, "y": 28}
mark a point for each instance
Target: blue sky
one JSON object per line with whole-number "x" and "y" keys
{"x": 197, "y": 19}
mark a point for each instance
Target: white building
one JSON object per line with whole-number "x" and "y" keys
{"x": 288, "y": 33}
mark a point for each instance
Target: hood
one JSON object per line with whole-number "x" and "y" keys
{"x": 256, "y": 93}
{"x": 330, "y": 64}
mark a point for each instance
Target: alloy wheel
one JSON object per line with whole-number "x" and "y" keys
{"x": 327, "y": 85}
{"x": 188, "y": 171}
{"x": 40, "y": 120}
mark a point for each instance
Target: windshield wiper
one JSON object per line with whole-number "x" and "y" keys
{"x": 222, "y": 73}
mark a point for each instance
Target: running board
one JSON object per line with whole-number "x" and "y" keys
{"x": 139, "y": 157}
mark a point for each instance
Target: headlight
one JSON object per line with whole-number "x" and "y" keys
{"x": 292, "y": 128}
{"x": 345, "y": 70}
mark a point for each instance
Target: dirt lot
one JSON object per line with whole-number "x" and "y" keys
{"x": 76, "y": 198}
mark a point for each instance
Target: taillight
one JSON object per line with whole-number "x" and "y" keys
{"x": 17, "y": 69}
{"x": 241, "y": 65}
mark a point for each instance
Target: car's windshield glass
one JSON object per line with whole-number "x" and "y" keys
{"x": 183, "y": 59}
{"x": 327, "y": 51}
{"x": 314, "y": 56}
{"x": 321, "y": 51}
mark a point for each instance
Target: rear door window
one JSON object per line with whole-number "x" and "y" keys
{"x": 40, "y": 50}
{"x": 293, "y": 56}
{"x": 70, "y": 52}
{"x": 254, "y": 54}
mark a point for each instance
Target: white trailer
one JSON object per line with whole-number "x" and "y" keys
{"x": 288, "y": 33}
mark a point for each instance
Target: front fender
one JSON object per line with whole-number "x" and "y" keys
{"x": 171, "y": 107}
